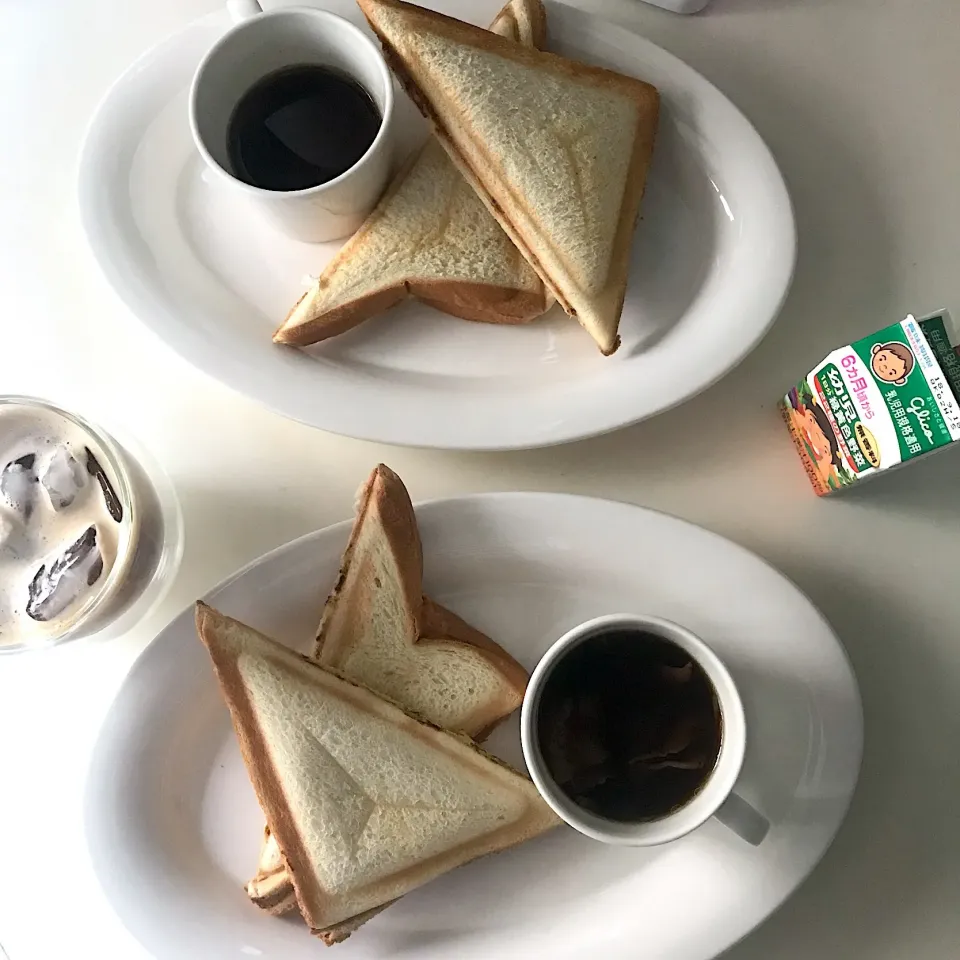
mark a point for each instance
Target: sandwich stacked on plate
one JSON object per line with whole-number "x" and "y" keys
{"x": 552, "y": 157}
{"x": 360, "y": 756}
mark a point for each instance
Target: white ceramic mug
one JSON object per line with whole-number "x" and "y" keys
{"x": 715, "y": 797}
{"x": 260, "y": 44}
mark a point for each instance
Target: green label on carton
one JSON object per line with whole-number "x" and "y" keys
{"x": 878, "y": 402}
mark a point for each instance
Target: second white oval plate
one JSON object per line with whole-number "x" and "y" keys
{"x": 173, "y": 825}
{"x": 713, "y": 259}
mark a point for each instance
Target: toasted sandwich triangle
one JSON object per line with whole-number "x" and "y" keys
{"x": 557, "y": 150}
{"x": 429, "y": 237}
{"x": 378, "y": 629}
{"x": 366, "y": 802}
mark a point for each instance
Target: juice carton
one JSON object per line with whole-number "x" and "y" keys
{"x": 877, "y": 403}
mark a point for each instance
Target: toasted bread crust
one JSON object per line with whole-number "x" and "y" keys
{"x": 383, "y": 494}
{"x": 438, "y": 624}
{"x": 498, "y": 196}
{"x": 336, "y": 321}
{"x": 523, "y": 21}
{"x": 481, "y": 302}
{"x": 338, "y": 932}
{"x": 277, "y": 902}
{"x": 630, "y": 208}
{"x": 253, "y": 748}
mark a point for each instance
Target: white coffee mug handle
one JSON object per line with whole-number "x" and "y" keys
{"x": 241, "y": 10}
{"x": 743, "y": 819}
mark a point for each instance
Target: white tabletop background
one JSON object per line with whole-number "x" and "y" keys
{"x": 858, "y": 101}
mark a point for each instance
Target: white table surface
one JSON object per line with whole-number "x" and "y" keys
{"x": 858, "y": 101}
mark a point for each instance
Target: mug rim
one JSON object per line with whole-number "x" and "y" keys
{"x": 250, "y": 23}
{"x": 714, "y": 791}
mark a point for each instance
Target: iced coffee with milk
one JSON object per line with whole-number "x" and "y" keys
{"x": 81, "y": 526}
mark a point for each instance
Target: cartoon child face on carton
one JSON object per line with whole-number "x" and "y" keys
{"x": 891, "y": 362}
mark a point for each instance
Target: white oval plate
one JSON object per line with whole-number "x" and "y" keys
{"x": 173, "y": 826}
{"x": 713, "y": 259}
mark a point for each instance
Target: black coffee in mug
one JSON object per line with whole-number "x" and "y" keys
{"x": 299, "y": 127}
{"x": 629, "y": 725}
